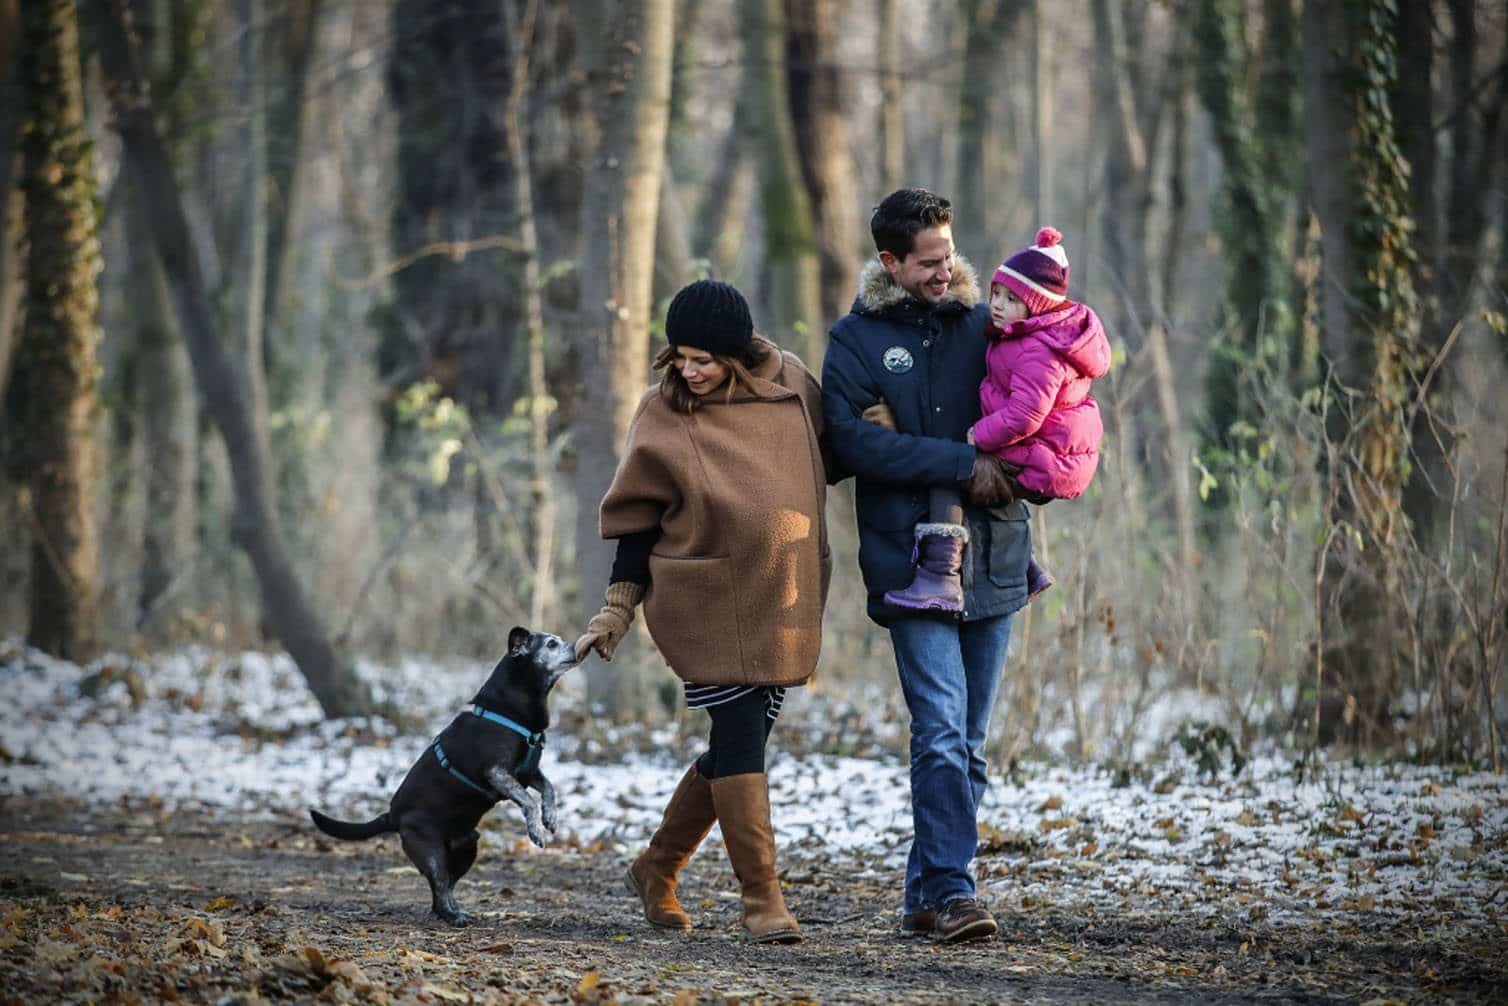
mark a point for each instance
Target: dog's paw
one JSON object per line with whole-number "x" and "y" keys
{"x": 549, "y": 822}
{"x": 458, "y": 919}
{"x": 537, "y": 835}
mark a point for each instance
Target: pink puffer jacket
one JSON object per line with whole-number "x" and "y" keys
{"x": 1038, "y": 413}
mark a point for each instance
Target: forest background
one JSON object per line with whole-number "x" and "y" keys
{"x": 321, "y": 320}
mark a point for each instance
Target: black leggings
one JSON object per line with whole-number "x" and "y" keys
{"x": 739, "y": 731}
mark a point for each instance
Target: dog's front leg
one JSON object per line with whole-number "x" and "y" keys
{"x": 546, "y": 800}
{"x": 510, "y": 788}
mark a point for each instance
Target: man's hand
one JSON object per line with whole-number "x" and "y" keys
{"x": 880, "y": 415}
{"x": 989, "y": 484}
{"x": 608, "y": 627}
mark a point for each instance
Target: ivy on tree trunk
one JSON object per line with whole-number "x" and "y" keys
{"x": 57, "y": 371}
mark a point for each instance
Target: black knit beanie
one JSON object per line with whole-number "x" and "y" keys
{"x": 711, "y": 316}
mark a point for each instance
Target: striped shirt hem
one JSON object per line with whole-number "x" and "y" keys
{"x": 703, "y": 696}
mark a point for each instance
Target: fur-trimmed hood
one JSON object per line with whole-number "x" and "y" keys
{"x": 879, "y": 292}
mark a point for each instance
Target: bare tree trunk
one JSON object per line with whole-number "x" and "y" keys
{"x": 1279, "y": 93}
{"x": 672, "y": 240}
{"x": 1458, "y": 253}
{"x": 725, "y": 204}
{"x": 169, "y": 427}
{"x": 330, "y": 675}
{"x": 1414, "y": 110}
{"x": 15, "y": 553}
{"x": 1413, "y": 106}
{"x": 1449, "y": 257}
{"x": 168, "y": 413}
{"x": 626, "y": 50}
{"x": 541, "y": 595}
{"x": 819, "y": 109}
{"x": 12, "y": 205}
{"x": 794, "y": 304}
{"x": 248, "y": 291}
{"x": 57, "y": 371}
{"x": 1179, "y": 451}
{"x": 937, "y": 166}
{"x": 1129, "y": 170}
{"x": 1329, "y": 154}
{"x": 1500, "y": 287}
{"x": 1253, "y": 210}
{"x": 1488, "y": 165}
{"x": 673, "y": 228}
{"x": 284, "y": 127}
{"x": 892, "y": 115}
{"x": 681, "y": 139}
{"x": 454, "y": 320}
{"x": 1127, "y": 196}
{"x": 1040, "y": 170}
{"x": 12, "y": 217}
{"x": 978, "y": 188}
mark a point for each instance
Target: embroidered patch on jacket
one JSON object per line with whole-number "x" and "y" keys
{"x": 897, "y": 359}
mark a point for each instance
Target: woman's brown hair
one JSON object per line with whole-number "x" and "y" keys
{"x": 679, "y": 394}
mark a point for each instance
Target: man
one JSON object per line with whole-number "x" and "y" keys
{"x": 915, "y": 341}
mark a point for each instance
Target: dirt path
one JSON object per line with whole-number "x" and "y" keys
{"x": 126, "y": 904}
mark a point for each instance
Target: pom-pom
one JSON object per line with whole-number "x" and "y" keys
{"x": 1047, "y": 237}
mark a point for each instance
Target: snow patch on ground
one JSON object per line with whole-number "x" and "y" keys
{"x": 198, "y": 731}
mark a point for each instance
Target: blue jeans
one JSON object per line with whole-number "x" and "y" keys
{"x": 949, "y": 674}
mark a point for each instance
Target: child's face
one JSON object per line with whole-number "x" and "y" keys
{"x": 1005, "y": 306}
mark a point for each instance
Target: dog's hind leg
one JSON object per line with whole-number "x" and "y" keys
{"x": 428, "y": 852}
{"x": 460, "y": 856}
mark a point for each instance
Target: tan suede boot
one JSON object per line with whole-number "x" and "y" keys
{"x": 688, "y": 818}
{"x": 743, "y": 808}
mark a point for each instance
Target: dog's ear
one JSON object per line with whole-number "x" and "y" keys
{"x": 518, "y": 638}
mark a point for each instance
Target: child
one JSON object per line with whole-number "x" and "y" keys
{"x": 1038, "y": 415}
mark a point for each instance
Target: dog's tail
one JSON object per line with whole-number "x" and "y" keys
{"x": 352, "y": 831}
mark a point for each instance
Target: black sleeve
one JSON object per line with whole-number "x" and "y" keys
{"x": 631, "y": 562}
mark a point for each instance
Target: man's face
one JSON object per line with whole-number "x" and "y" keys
{"x": 927, "y": 271}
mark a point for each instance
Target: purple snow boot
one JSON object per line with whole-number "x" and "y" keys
{"x": 1037, "y": 579}
{"x": 938, "y": 555}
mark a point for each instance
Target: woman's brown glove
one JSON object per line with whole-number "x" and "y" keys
{"x": 880, "y": 414}
{"x": 990, "y": 483}
{"x": 608, "y": 627}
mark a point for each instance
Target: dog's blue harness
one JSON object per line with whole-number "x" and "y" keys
{"x": 447, "y": 766}
{"x": 534, "y": 738}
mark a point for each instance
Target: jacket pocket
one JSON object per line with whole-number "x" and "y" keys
{"x": 692, "y": 613}
{"x": 1010, "y": 544}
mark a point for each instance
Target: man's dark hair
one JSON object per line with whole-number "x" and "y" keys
{"x": 902, "y": 215}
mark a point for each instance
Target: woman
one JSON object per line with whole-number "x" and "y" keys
{"x": 717, "y": 508}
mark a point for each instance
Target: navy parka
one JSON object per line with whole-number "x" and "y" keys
{"x": 926, "y": 363}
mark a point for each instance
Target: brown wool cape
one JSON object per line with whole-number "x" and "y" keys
{"x": 739, "y": 576}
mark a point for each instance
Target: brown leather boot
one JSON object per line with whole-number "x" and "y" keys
{"x": 743, "y": 809}
{"x": 688, "y": 817}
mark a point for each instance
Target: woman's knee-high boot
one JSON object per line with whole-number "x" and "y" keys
{"x": 688, "y": 817}
{"x": 743, "y": 809}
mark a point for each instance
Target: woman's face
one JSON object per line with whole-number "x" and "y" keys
{"x": 1005, "y": 306}
{"x": 703, "y": 374}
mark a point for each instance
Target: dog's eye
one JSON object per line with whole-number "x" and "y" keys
{"x": 554, "y": 643}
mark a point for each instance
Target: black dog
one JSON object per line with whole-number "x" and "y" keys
{"x": 489, "y": 753}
